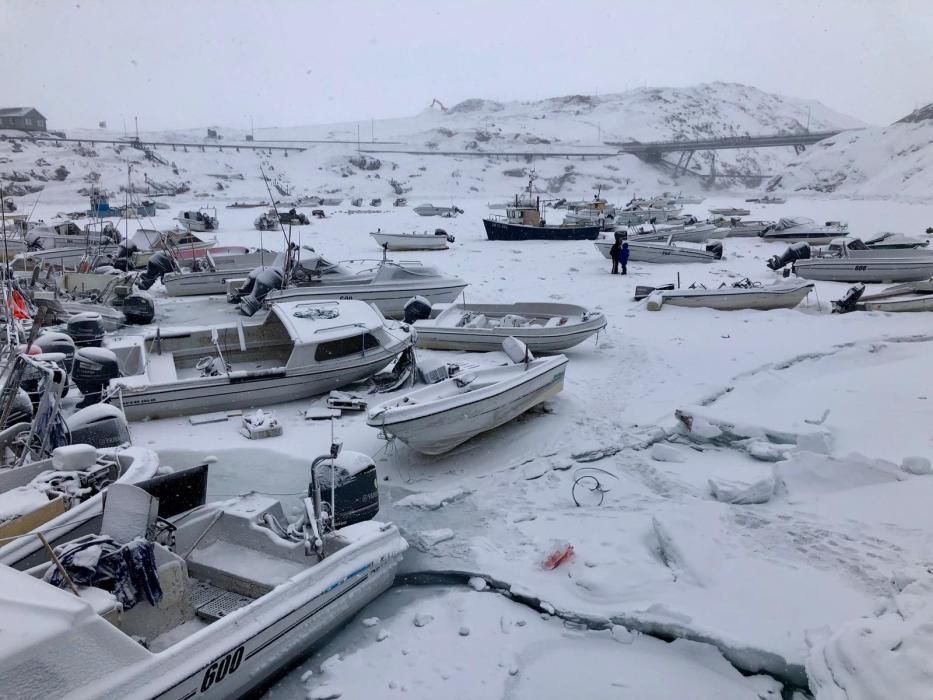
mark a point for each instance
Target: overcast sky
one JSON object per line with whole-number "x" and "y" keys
{"x": 199, "y": 62}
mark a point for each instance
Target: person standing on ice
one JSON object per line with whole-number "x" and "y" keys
{"x": 614, "y": 252}
{"x": 623, "y": 258}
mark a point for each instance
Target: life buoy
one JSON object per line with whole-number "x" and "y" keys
{"x": 18, "y": 306}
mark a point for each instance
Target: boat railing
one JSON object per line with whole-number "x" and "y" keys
{"x": 335, "y": 328}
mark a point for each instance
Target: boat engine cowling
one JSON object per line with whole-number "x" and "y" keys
{"x": 798, "y": 251}
{"x": 22, "y": 410}
{"x": 848, "y": 302}
{"x": 417, "y": 309}
{"x": 56, "y": 342}
{"x": 139, "y": 308}
{"x": 102, "y": 426}
{"x": 93, "y": 369}
{"x": 86, "y": 329}
{"x": 355, "y": 488}
{"x": 715, "y": 247}
{"x": 264, "y": 282}
{"x": 125, "y": 252}
{"x": 159, "y": 264}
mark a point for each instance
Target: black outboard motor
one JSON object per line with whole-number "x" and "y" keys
{"x": 442, "y": 232}
{"x": 417, "y": 309}
{"x": 159, "y": 264}
{"x": 55, "y": 342}
{"x": 124, "y": 253}
{"x": 93, "y": 369}
{"x": 101, "y": 426}
{"x": 715, "y": 247}
{"x": 264, "y": 282}
{"x": 798, "y": 251}
{"x": 139, "y": 308}
{"x": 355, "y": 488}
{"x": 86, "y": 329}
{"x": 848, "y": 302}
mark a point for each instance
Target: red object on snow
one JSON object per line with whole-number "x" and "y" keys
{"x": 558, "y": 557}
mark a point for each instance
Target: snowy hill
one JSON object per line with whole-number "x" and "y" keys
{"x": 477, "y": 126}
{"x": 891, "y": 161}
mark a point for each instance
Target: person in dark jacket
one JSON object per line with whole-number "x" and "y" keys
{"x": 614, "y": 253}
{"x": 623, "y": 258}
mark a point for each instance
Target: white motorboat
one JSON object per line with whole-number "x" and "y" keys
{"x": 907, "y": 297}
{"x": 635, "y": 214}
{"x": 693, "y": 233}
{"x": 729, "y": 211}
{"x": 767, "y": 199}
{"x": 800, "y": 228}
{"x": 413, "y": 241}
{"x": 204, "y": 219}
{"x": 667, "y": 252}
{"x": 62, "y": 497}
{"x": 742, "y": 295}
{"x": 742, "y": 228}
{"x": 209, "y": 271}
{"x": 301, "y": 349}
{"x": 894, "y": 241}
{"x": 591, "y": 211}
{"x": 181, "y": 243}
{"x": 388, "y": 286}
{"x": 213, "y": 605}
{"x": 431, "y": 210}
{"x": 543, "y": 327}
{"x": 850, "y": 260}
{"x": 438, "y": 417}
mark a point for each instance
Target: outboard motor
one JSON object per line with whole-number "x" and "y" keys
{"x": 22, "y": 410}
{"x": 355, "y": 488}
{"x": 124, "y": 253}
{"x": 442, "y": 232}
{"x": 264, "y": 282}
{"x": 86, "y": 329}
{"x": 139, "y": 308}
{"x": 159, "y": 264}
{"x": 417, "y": 309}
{"x": 715, "y": 247}
{"x": 33, "y": 376}
{"x": 55, "y": 342}
{"x": 848, "y": 302}
{"x": 101, "y": 426}
{"x": 798, "y": 251}
{"x": 93, "y": 369}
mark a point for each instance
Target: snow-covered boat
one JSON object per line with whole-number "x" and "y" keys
{"x": 591, "y": 211}
{"x": 180, "y": 243}
{"x": 729, "y": 211}
{"x": 894, "y": 241}
{"x": 438, "y": 417}
{"x": 62, "y": 496}
{"x": 850, "y": 260}
{"x": 431, "y": 210}
{"x": 202, "y": 220}
{"x": 213, "y": 605}
{"x": 388, "y": 286}
{"x": 767, "y": 199}
{"x": 742, "y": 228}
{"x": 299, "y": 350}
{"x": 693, "y": 233}
{"x": 543, "y": 327}
{"x": 742, "y": 295}
{"x": 667, "y": 252}
{"x": 208, "y": 273}
{"x": 413, "y": 241}
{"x": 523, "y": 222}
{"x": 907, "y": 297}
{"x": 800, "y": 228}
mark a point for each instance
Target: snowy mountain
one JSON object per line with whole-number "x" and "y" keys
{"x": 891, "y": 161}
{"x": 576, "y": 123}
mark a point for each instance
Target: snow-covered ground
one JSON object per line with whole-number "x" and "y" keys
{"x": 836, "y": 539}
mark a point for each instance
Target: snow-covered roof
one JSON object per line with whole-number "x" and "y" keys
{"x": 18, "y": 111}
{"x": 352, "y": 317}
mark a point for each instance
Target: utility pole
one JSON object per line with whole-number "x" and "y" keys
{"x": 123, "y": 117}
{"x": 372, "y": 129}
{"x": 808, "y": 120}
{"x": 357, "y": 138}
{"x": 253, "y": 135}
{"x": 136, "y": 122}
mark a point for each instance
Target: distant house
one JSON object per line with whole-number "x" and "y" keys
{"x": 22, "y": 118}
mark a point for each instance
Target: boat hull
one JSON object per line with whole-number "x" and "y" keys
{"x": 503, "y": 231}
{"x": 659, "y": 253}
{"x": 903, "y": 304}
{"x": 389, "y": 300}
{"x": 864, "y": 269}
{"x": 392, "y": 241}
{"x": 442, "y": 431}
{"x": 761, "y": 299}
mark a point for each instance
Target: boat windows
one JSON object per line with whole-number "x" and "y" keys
{"x": 343, "y": 347}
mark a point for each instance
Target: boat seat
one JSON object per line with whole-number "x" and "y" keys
{"x": 162, "y": 368}
{"x": 555, "y": 321}
{"x": 244, "y": 570}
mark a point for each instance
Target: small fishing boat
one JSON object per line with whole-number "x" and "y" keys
{"x": 907, "y": 297}
{"x": 801, "y": 229}
{"x": 692, "y": 233}
{"x": 180, "y": 242}
{"x": 894, "y": 241}
{"x": 543, "y": 327}
{"x": 729, "y": 211}
{"x": 742, "y": 228}
{"x": 591, "y": 211}
{"x": 667, "y": 252}
{"x": 438, "y": 417}
{"x": 211, "y": 602}
{"x": 299, "y": 350}
{"x": 431, "y": 210}
{"x": 523, "y": 222}
{"x": 767, "y": 199}
{"x": 741, "y": 295}
{"x": 247, "y": 205}
{"x": 208, "y": 272}
{"x": 204, "y": 219}
{"x": 850, "y": 260}
{"x": 413, "y": 241}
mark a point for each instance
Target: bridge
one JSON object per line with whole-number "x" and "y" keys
{"x": 176, "y": 145}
